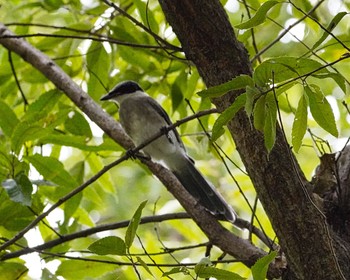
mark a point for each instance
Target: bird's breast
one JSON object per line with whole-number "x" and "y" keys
{"x": 141, "y": 122}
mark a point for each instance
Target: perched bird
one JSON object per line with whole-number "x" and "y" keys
{"x": 142, "y": 117}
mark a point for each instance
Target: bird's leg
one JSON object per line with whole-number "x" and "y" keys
{"x": 164, "y": 130}
{"x": 137, "y": 155}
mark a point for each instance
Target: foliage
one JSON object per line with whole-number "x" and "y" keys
{"x": 259, "y": 269}
{"x": 48, "y": 147}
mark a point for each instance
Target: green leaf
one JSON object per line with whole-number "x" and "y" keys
{"x": 79, "y": 142}
{"x": 177, "y": 90}
{"x": 321, "y": 110}
{"x": 227, "y": 115}
{"x": 78, "y": 171}
{"x": 135, "y": 57}
{"x": 281, "y": 69}
{"x": 259, "y": 16}
{"x": 176, "y": 96}
{"x": 144, "y": 265}
{"x": 238, "y": 82}
{"x": 52, "y": 170}
{"x": 26, "y": 187}
{"x": 33, "y": 76}
{"x": 204, "y": 261}
{"x": 47, "y": 275}
{"x": 14, "y": 216}
{"x": 110, "y": 245}
{"x": 94, "y": 10}
{"x": 133, "y": 225}
{"x": 125, "y": 30}
{"x": 71, "y": 206}
{"x": 8, "y": 119}
{"x": 19, "y": 189}
{"x": 204, "y": 271}
{"x": 80, "y": 214}
{"x": 42, "y": 107}
{"x": 12, "y": 270}
{"x": 270, "y": 121}
{"x": 10, "y": 163}
{"x": 176, "y": 270}
{"x": 52, "y": 5}
{"x": 334, "y": 22}
{"x": 98, "y": 64}
{"x": 283, "y": 88}
{"x": 26, "y": 131}
{"x": 53, "y": 42}
{"x": 6, "y": 163}
{"x": 337, "y": 77}
{"x": 259, "y": 113}
{"x": 259, "y": 269}
{"x": 299, "y": 124}
{"x": 77, "y": 124}
{"x": 252, "y": 94}
{"x": 77, "y": 269}
{"x": 147, "y": 16}
{"x": 95, "y": 164}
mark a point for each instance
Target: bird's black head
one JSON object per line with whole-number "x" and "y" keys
{"x": 122, "y": 88}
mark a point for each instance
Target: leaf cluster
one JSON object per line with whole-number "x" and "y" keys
{"x": 271, "y": 79}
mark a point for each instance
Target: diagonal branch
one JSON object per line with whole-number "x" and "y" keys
{"x": 217, "y": 234}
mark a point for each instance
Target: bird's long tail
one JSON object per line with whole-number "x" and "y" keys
{"x": 202, "y": 190}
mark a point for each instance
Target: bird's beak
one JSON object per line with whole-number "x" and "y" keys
{"x": 106, "y": 97}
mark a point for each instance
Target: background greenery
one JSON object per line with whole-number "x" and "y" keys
{"x": 49, "y": 147}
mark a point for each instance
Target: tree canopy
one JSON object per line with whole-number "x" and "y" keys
{"x": 258, "y": 92}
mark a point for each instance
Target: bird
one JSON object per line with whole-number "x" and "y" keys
{"x": 142, "y": 117}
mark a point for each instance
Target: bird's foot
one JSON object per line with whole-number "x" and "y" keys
{"x": 137, "y": 155}
{"x": 164, "y": 130}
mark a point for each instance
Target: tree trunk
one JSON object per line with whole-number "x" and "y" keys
{"x": 312, "y": 249}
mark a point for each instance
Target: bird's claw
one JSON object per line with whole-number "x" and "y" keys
{"x": 164, "y": 130}
{"x": 137, "y": 155}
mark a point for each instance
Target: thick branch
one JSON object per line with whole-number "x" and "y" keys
{"x": 209, "y": 41}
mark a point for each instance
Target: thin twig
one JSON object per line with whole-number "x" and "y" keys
{"x": 320, "y": 25}
{"x": 136, "y": 22}
{"x": 284, "y": 32}
{"x": 84, "y": 233}
{"x": 192, "y": 264}
{"x": 95, "y": 35}
{"x": 99, "y": 39}
{"x": 343, "y": 57}
{"x": 148, "y": 255}
{"x": 25, "y": 101}
{"x": 252, "y": 32}
{"x": 243, "y": 224}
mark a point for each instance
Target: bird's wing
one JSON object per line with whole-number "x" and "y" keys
{"x": 164, "y": 114}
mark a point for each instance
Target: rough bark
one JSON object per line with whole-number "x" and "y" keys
{"x": 310, "y": 245}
